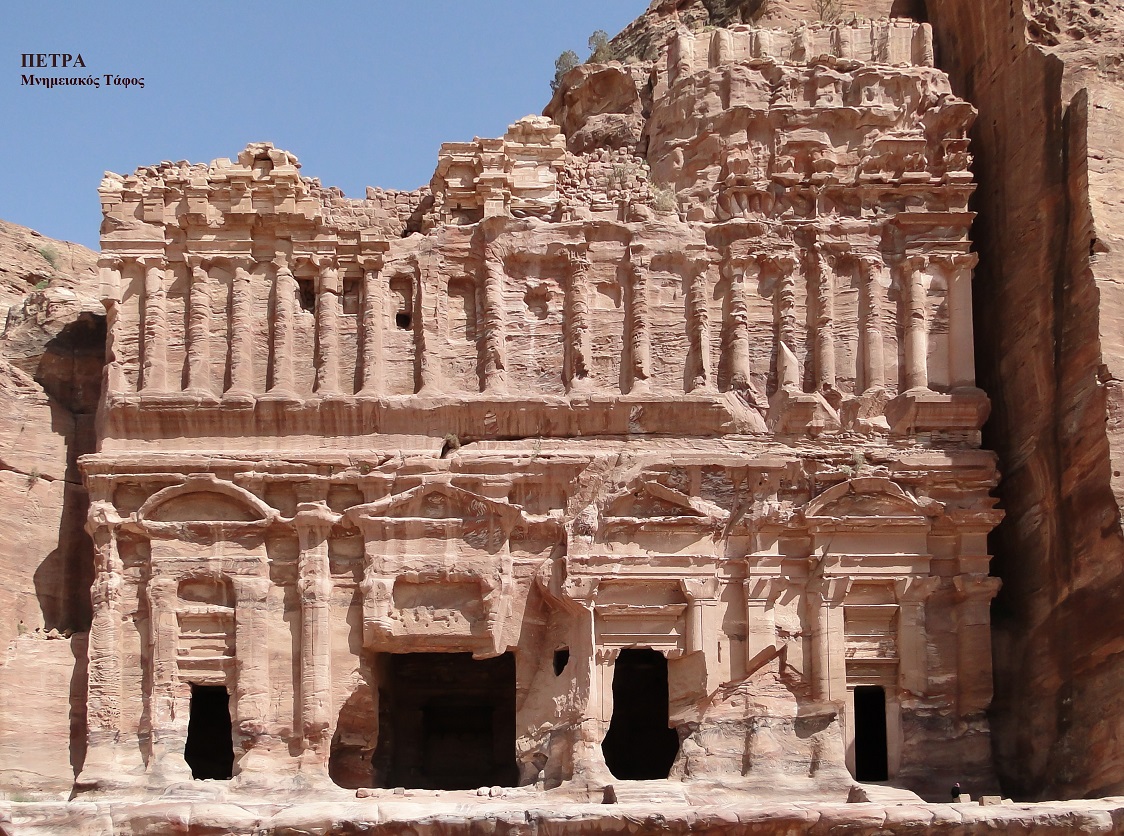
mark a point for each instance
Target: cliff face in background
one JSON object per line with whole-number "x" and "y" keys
{"x": 1046, "y": 78}
{"x": 50, "y": 372}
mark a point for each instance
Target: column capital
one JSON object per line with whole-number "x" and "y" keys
{"x": 831, "y": 591}
{"x": 784, "y": 263}
{"x": 957, "y": 261}
{"x": 153, "y": 261}
{"x": 915, "y": 590}
{"x": 870, "y": 261}
{"x": 977, "y": 586}
{"x": 372, "y": 263}
{"x": 701, "y": 589}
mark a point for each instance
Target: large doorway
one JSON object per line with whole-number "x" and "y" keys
{"x": 446, "y": 722}
{"x": 210, "y": 745}
{"x": 871, "y": 762}
{"x": 639, "y": 745}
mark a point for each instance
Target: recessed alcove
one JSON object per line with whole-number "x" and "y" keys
{"x": 447, "y": 722}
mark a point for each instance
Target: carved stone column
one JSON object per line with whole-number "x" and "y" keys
{"x": 374, "y": 314}
{"x": 251, "y": 647}
{"x": 284, "y": 302}
{"x": 788, "y": 368}
{"x": 154, "y": 349}
{"x": 738, "y": 342}
{"x": 577, "y": 320}
{"x": 912, "y": 654}
{"x": 874, "y": 304}
{"x": 168, "y": 727}
{"x": 103, "y": 700}
{"x": 973, "y": 638}
{"x": 328, "y": 328}
{"x": 698, "y": 318}
{"x": 242, "y": 330}
{"x": 495, "y": 349}
{"x": 314, "y": 584}
{"x": 639, "y": 327}
{"x": 702, "y": 624}
{"x": 199, "y": 330}
{"x": 916, "y": 323}
{"x": 829, "y": 668}
{"x": 593, "y": 693}
{"x": 761, "y": 594}
{"x": 961, "y": 336}
{"x": 822, "y": 291}
{"x": 109, "y": 278}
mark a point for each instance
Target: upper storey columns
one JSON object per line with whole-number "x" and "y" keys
{"x": 199, "y": 376}
{"x": 640, "y": 323}
{"x": 281, "y": 374}
{"x": 961, "y": 334}
{"x": 578, "y": 346}
{"x": 873, "y": 321}
{"x": 154, "y": 329}
{"x": 327, "y": 327}
{"x": 374, "y": 306}
{"x": 495, "y": 331}
{"x": 242, "y": 329}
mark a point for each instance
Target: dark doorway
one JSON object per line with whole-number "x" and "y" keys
{"x": 913, "y": 9}
{"x": 870, "y": 734}
{"x": 210, "y": 746}
{"x": 447, "y": 722}
{"x": 639, "y": 745}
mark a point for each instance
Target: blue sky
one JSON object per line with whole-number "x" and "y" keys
{"x": 363, "y": 93}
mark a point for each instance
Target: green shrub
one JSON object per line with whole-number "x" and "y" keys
{"x": 50, "y": 255}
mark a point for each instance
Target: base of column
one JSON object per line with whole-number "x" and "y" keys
{"x": 923, "y": 410}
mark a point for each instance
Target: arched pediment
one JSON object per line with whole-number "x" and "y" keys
{"x": 872, "y": 496}
{"x": 205, "y": 499}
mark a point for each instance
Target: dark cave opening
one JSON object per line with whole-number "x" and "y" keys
{"x": 871, "y": 757}
{"x": 447, "y": 722}
{"x": 639, "y": 745}
{"x": 210, "y": 744}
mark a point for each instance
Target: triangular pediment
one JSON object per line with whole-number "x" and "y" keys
{"x": 649, "y": 498}
{"x": 438, "y": 502}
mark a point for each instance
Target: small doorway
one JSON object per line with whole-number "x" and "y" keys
{"x": 210, "y": 742}
{"x": 639, "y": 745}
{"x": 447, "y": 722}
{"x": 871, "y": 762}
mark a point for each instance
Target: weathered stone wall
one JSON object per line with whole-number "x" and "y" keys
{"x": 1047, "y": 150}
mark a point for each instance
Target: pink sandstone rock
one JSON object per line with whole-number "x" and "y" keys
{"x": 634, "y": 465}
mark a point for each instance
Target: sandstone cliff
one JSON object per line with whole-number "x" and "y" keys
{"x": 50, "y": 378}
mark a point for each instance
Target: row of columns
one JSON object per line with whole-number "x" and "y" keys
{"x": 913, "y": 273}
{"x": 202, "y": 322}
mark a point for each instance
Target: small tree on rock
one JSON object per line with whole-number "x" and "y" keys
{"x": 562, "y": 65}
{"x": 600, "y": 50}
